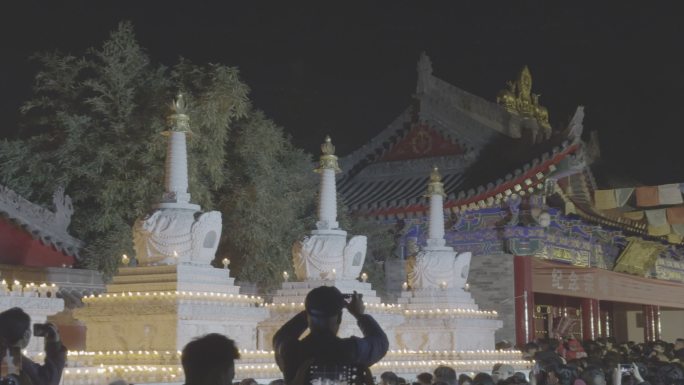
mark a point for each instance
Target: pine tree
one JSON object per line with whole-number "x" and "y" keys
{"x": 94, "y": 126}
{"x": 269, "y": 201}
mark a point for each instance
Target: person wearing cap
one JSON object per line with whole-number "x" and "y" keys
{"x": 323, "y": 315}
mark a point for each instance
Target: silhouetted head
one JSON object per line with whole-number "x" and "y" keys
{"x": 445, "y": 374}
{"x": 464, "y": 379}
{"x": 209, "y": 360}
{"x": 483, "y": 379}
{"x": 389, "y": 378}
{"x": 324, "y": 306}
{"x": 248, "y": 381}
{"x": 15, "y": 327}
{"x": 424, "y": 378}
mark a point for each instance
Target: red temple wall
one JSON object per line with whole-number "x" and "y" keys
{"x": 18, "y": 247}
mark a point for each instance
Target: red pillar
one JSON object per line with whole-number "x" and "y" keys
{"x": 591, "y": 318}
{"x": 524, "y": 300}
{"x": 651, "y": 322}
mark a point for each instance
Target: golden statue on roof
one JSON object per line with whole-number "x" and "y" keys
{"x": 518, "y": 99}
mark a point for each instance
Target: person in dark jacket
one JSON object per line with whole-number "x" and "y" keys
{"x": 15, "y": 331}
{"x": 322, "y": 315}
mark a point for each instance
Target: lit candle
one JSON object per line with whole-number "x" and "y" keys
{"x": 467, "y": 287}
{"x": 364, "y": 277}
{"x": 16, "y": 288}
{"x": 225, "y": 262}
{"x": 125, "y": 260}
{"x": 286, "y": 276}
{"x": 404, "y": 286}
{"x": 3, "y": 287}
{"x": 42, "y": 290}
{"x": 334, "y": 273}
{"x": 53, "y": 291}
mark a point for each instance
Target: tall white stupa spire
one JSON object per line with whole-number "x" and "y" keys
{"x": 177, "y": 231}
{"x": 436, "y": 194}
{"x": 325, "y": 253}
{"x": 437, "y": 266}
{"x": 327, "y": 200}
{"x": 176, "y": 167}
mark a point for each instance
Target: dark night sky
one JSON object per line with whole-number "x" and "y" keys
{"x": 349, "y": 69}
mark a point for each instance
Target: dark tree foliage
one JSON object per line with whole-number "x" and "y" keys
{"x": 94, "y": 124}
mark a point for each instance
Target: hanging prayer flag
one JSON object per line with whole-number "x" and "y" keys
{"x": 656, "y": 217}
{"x": 605, "y": 199}
{"x": 675, "y": 215}
{"x": 669, "y": 194}
{"x": 659, "y": 231}
{"x": 622, "y": 195}
{"x": 647, "y": 196}
{"x": 678, "y": 228}
{"x": 634, "y": 215}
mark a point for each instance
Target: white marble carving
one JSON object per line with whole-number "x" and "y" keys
{"x": 177, "y": 230}
{"x": 325, "y": 253}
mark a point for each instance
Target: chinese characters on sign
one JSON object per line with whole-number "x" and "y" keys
{"x": 573, "y": 282}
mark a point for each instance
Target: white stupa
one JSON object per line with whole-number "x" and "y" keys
{"x": 326, "y": 258}
{"x": 440, "y": 313}
{"x": 177, "y": 230}
{"x": 174, "y": 294}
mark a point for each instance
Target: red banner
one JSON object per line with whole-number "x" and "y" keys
{"x": 569, "y": 280}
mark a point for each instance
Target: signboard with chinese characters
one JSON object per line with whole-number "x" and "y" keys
{"x": 568, "y": 280}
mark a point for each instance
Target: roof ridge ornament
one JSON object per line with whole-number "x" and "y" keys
{"x": 424, "y": 73}
{"x": 518, "y": 99}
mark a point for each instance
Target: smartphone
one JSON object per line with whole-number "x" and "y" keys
{"x": 347, "y": 297}
{"x": 625, "y": 368}
{"x": 41, "y": 330}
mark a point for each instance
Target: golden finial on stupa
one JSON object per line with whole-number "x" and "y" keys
{"x": 178, "y": 120}
{"x": 434, "y": 175}
{"x": 328, "y": 159}
{"x": 178, "y": 105}
{"x": 435, "y": 186}
{"x": 327, "y": 147}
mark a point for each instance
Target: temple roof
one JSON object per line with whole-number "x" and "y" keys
{"x": 477, "y": 144}
{"x": 50, "y": 227}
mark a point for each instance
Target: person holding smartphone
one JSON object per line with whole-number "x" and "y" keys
{"x": 15, "y": 330}
{"x": 627, "y": 370}
{"x": 323, "y": 315}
